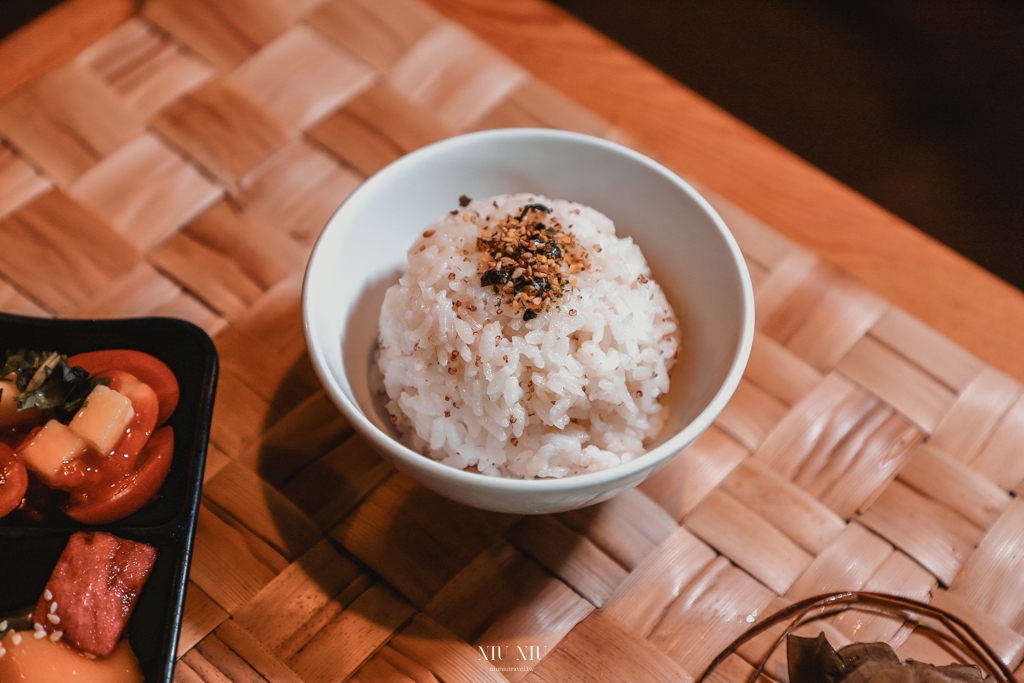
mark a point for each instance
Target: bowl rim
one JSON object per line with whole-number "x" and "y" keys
{"x": 587, "y": 480}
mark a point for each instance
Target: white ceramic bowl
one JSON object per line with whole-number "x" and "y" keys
{"x": 692, "y": 255}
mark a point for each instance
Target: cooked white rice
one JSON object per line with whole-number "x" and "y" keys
{"x": 474, "y": 385}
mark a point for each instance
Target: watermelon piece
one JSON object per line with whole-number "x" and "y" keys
{"x": 93, "y": 590}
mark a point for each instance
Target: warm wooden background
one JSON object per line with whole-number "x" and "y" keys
{"x": 955, "y": 296}
{"x": 183, "y": 165}
{"x": 915, "y": 105}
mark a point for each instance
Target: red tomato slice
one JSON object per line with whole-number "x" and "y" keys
{"x": 146, "y": 405}
{"x": 94, "y": 471}
{"x": 147, "y": 368}
{"x": 124, "y": 497}
{"x": 13, "y": 480}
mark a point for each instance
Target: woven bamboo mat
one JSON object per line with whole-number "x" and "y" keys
{"x": 184, "y": 164}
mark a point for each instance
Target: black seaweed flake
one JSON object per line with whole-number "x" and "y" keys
{"x": 528, "y": 207}
{"x": 494, "y": 277}
{"x": 47, "y": 381}
{"x": 529, "y": 262}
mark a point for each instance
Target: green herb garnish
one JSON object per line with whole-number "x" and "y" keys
{"x": 48, "y": 382}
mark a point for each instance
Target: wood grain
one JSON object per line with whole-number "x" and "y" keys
{"x": 910, "y": 269}
{"x": 56, "y": 37}
{"x": 197, "y": 151}
{"x": 913, "y": 271}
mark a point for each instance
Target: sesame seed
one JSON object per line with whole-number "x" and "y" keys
{"x": 39, "y": 635}
{"x": 2, "y": 651}
{"x": 37, "y": 626}
{"x": 428, "y": 233}
{"x": 16, "y": 639}
{"x": 56, "y": 635}
{"x": 54, "y": 619}
{"x": 3, "y": 625}
{"x": 53, "y": 607}
{"x": 47, "y": 595}
{"x": 526, "y": 258}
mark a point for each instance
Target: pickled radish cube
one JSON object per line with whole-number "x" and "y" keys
{"x": 93, "y": 590}
{"x": 51, "y": 447}
{"x": 103, "y": 419}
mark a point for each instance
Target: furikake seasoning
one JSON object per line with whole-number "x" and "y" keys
{"x": 529, "y": 259}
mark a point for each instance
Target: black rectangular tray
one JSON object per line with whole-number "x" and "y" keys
{"x": 29, "y": 551}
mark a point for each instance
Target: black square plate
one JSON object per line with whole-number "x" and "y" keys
{"x": 29, "y": 551}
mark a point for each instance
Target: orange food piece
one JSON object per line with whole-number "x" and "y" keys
{"x": 41, "y": 660}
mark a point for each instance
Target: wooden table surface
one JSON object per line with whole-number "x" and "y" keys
{"x": 184, "y": 166}
{"x": 952, "y": 294}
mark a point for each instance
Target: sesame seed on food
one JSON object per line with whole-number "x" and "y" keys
{"x": 528, "y": 259}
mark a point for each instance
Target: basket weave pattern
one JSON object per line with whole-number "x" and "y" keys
{"x": 184, "y": 164}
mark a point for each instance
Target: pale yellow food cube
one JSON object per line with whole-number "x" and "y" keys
{"x": 49, "y": 449}
{"x": 103, "y": 419}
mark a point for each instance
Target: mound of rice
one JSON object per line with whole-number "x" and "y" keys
{"x": 476, "y": 381}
